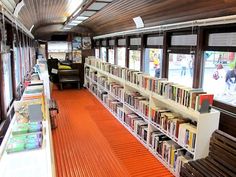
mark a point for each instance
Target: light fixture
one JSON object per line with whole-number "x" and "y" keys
{"x": 76, "y": 12}
{"x": 88, "y": 13}
{"x": 97, "y": 6}
{"x": 74, "y": 23}
{"x": 81, "y": 18}
{"x": 138, "y": 22}
{"x": 18, "y": 7}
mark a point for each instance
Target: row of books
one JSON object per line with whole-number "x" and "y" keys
{"x": 179, "y": 128}
{"x": 195, "y": 99}
{"x": 137, "y": 101}
{"x": 103, "y": 81}
{"x": 137, "y": 124}
{"x": 117, "y": 90}
{"x": 25, "y": 136}
{"x": 173, "y": 154}
{"x": 93, "y": 75}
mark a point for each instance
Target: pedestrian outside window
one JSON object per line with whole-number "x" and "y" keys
{"x": 135, "y": 59}
{"x": 152, "y": 61}
{"x": 181, "y": 69}
{"x": 220, "y": 75}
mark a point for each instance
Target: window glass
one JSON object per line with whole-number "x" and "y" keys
{"x": 97, "y": 53}
{"x": 17, "y": 65}
{"x": 57, "y": 49}
{"x": 181, "y": 69}
{"x": 22, "y": 62}
{"x": 220, "y": 75}
{"x": 111, "y": 56}
{"x": 135, "y": 59}
{"x": 121, "y": 56}
{"x": 103, "y": 53}
{"x": 152, "y": 61}
{"x": 7, "y": 79}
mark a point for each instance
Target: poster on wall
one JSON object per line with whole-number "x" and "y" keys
{"x": 86, "y": 43}
{"x": 77, "y": 56}
{"x": 76, "y": 43}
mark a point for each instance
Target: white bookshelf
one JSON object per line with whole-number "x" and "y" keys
{"x": 207, "y": 123}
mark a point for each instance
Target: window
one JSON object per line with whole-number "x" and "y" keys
{"x": 121, "y": 52}
{"x": 57, "y": 49}
{"x": 7, "y": 80}
{"x": 111, "y": 56}
{"x": 17, "y": 65}
{"x": 220, "y": 75}
{"x": 181, "y": 69}
{"x": 135, "y": 59}
{"x": 97, "y": 53}
{"x": 152, "y": 61}
{"x": 103, "y": 53}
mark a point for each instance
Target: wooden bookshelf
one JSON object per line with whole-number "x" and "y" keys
{"x": 207, "y": 123}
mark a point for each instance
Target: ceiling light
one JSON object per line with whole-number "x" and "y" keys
{"x": 88, "y": 13}
{"x": 76, "y": 12}
{"x": 81, "y": 18}
{"x": 73, "y": 5}
{"x": 97, "y": 6}
{"x": 76, "y": 21}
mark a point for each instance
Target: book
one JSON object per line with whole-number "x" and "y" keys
{"x": 24, "y": 142}
{"x": 23, "y": 128}
{"x": 204, "y": 101}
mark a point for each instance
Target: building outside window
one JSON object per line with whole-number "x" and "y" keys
{"x": 220, "y": 75}
{"x": 7, "y": 79}
{"x": 181, "y": 69}
{"x": 152, "y": 61}
{"x": 97, "y": 53}
{"x": 103, "y": 53}
{"x": 121, "y": 52}
{"x": 135, "y": 59}
{"x": 111, "y": 56}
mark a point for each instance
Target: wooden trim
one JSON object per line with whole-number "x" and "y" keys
{"x": 127, "y": 52}
{"x": 165, "y": 59}
{"x": 143, "y": 38}
{"x": 199, "y": 61}
{"x": 115, "y": 51}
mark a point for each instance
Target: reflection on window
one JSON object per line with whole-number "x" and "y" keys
{"x": 152, "y": 61}
{"x": 111, "y": 55}
{"x": 97, "y": 53}
{"x": 103, "y": 53}
{"x": 181, "y": 69}
{"x": 121, "y": 56}
{"x": 135, "y": 59}
{"x": 7, "y": 79}
{"x": 17, "y": 66}
{"x": 220, "y": 75}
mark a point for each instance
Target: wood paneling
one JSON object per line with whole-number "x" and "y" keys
{"x": 118, "y": 15}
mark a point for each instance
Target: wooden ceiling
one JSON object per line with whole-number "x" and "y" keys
{"x": 118, "y": 15}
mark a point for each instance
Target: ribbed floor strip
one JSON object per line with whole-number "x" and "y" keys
{"x": 90, "y": 142}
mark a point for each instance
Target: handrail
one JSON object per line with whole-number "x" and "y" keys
{"x": 11, "y": 17}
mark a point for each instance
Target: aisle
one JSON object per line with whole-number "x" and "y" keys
{"x": 90, "y": 142}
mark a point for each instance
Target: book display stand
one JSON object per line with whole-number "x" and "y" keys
{"x": 27, "y": 149}
{"x": 163, "y": 116}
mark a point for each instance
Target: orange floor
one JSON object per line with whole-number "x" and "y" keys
{"x": 90, "y": 142}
